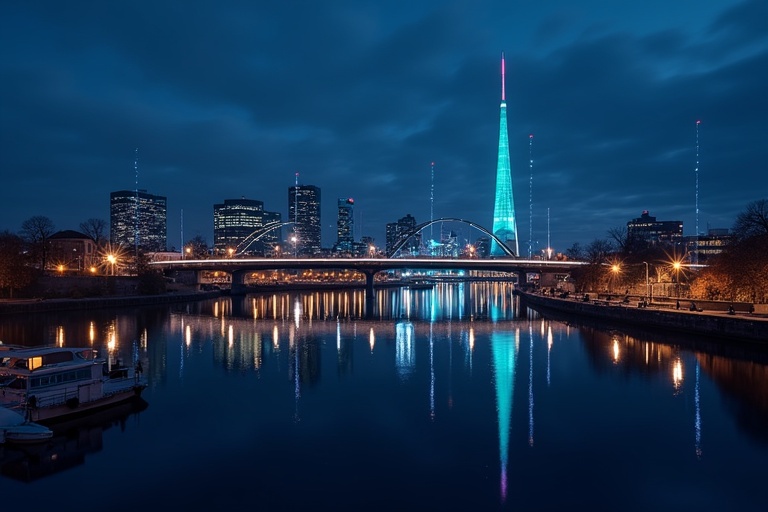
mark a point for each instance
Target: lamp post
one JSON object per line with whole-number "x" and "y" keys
{"x": 647, "y": 286}
{"x": 112, "y": 260}
{"x": 677, "y": 266}
{"x": 615, "y": 269}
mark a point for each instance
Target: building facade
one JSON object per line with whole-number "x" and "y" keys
{"x": 397, "y": 230}
{"x": 234, "y": 221}
{"x": 654, "y": 231}
{"x": 72, "y": 252}
{"x": 138, "y": 220}
{"x": 344, "y": 225}
{"x": 304, "y": 212}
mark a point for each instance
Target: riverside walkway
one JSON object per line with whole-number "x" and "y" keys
{"x": 742, "y": 326}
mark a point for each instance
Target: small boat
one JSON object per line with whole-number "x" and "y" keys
{"x": 49, "y": 383}
{"x": 15, "y": 429}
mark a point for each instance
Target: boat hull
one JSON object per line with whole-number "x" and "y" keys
{"x": 69, "y": 410}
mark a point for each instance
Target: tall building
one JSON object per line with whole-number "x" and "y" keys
{"x": 396, "y": 231}
{"x": 504, "y": 223}
{"x": 234, "y": 221}
{"x": 271, "y": 238}
{"x": 138, "y": 220}
{"x": 345, "y": 225}
{"x": 647, "y": 228}
{"x": 304, "y": 212}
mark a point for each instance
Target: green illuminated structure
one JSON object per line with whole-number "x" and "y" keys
{"x": 504, "y": 223}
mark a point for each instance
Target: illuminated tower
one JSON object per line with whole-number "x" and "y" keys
{"x": 504, "y": 224}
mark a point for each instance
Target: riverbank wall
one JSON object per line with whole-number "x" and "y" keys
{"x": 20, "y": 307}
{"x": 721, "y": 325}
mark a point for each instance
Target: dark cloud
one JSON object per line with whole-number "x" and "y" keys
{"x": 230, "y": 99}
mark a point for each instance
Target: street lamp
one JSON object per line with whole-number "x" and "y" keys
{"x": 188, "y": 251}
{"x": 676, "y": 265}
{"x": 294, "y": 239}
{"x": 647, "y": 286}
{"x": 230, "y": 251}
{"x": 112, "y": 260}
{"x": 615, "y": 268}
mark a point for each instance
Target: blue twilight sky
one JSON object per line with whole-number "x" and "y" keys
{"x": 225, "y": 99}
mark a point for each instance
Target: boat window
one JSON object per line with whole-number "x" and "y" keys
{"x": 57, "y": 357}
{"x": 18, "y": 384}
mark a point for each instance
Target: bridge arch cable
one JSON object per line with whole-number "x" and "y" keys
{"x": 256, "y": 235}
{"x": 416, "y": 229}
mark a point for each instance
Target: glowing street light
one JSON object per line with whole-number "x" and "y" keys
{"x": 294, "y": 240}
{"x": 111, "y": 259}
{"x": 677, "y": 265}
{"x": 647, "y": 283}
{"x": 188, "y": 251}
{"x": 230, "y": 251}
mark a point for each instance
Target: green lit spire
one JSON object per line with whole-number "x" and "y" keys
{"x": 504, "y": 223}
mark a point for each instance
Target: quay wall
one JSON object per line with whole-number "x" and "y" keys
{"x": 752, "y": 328}
{"x": 17, "y": 307}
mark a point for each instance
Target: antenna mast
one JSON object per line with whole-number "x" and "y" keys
{"x": 432, "y": 201}
{"x": 136, "y": 212}
{"x": 530, "y": 197}
{"x": 697, "y": 192}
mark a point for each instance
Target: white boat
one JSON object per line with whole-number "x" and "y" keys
{"x": 15, "y": 429}
{"x": 49, "y": 383}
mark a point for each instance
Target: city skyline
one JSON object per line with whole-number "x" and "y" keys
{"x": 228, "y": 101}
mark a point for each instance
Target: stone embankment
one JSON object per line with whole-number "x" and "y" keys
{"x": 749, "y": 327}
{"x": 24, "y": 306}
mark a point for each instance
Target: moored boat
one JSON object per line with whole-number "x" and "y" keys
{"x": 49, "y": 383}
{"x": 15, "y": 429}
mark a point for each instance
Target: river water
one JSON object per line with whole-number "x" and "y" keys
{"x": 450, "y": 398}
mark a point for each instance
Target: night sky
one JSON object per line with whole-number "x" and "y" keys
{"x": 231, "y": 99}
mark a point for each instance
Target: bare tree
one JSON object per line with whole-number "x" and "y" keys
{"x": 198, "y": 248}
{"x": 36, "y": 231}
{"x": 619, "y": 235}
{"x": 753, "y": 221}
{"x": 14, "y": 273}
{"x": 95, "y": 228}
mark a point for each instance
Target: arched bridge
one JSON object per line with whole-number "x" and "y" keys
{"x": 416, "y": 229}
{"x": 240, "y": 267}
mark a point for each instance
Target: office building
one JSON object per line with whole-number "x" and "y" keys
{"x": 236, "y": 224}
{"x": 138, "y": 220}
{"x": 396, "y": 231}
{"x": 304, "y": 212}
{"x": 344, "y": 226}
{"x": 653, "y": 231}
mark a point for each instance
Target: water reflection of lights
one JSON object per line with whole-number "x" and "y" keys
{"x": 91, "y": 332}
{"x": 405, "y": 352}
{"x": 677, "y": 374}
{"x": 275, "y": 338}
{"x": 530, "y": 385}
{"x": 549, "y": 353}
{"x": 371, "y": 339}
{"x": 504, "y": 356}
{"x": 188, "y": 335}
{"x": 697, "y": 421}
{"x": 60, "y": 336}
{"x": 230, "y": 335}
{"x": 615, "y": 350}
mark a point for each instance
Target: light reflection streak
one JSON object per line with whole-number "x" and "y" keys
{"x": 677, "y": 375}
{"x": 405, "y": 351}
{"x": 504, "y": 351}
{"x": 549, "y": 352}
{"x": 60, "y": 335}
{"x": 697, "y": 421}
{"x": 615, "y": 350}
{"x": 431, "y": 374}
{"x": 91, "y": 332}
{"x": 188, "y": 335}
{"x": 371, "y": 339}
{"x": 530, "y": 385}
